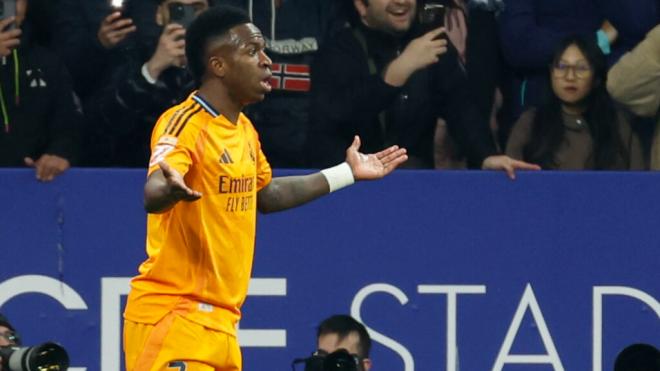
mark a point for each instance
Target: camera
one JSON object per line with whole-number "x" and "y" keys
{"x": 339, "y": 360}
{"x": 183, "y": 14}
{"x": 45, "y": 357}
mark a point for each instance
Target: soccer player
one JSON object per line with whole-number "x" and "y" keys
{"x": 207, "y": 178}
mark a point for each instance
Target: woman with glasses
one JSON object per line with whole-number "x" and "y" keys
{"x": 578, "y": 127}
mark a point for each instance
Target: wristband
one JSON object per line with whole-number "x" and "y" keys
{"x": 338, "y": 176}
{"x": 603, "y": 42}
{"x": 146, "y": 75}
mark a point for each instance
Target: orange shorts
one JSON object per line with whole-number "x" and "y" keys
{"x": 177, "y": 344}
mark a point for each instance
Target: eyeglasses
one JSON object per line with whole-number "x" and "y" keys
{"x": 10, "y": 336}
{"x": 580, "y": 71}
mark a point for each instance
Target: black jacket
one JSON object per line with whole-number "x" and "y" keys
{"x": 347, "y": 100}
{"x": 43, "y": 118}
{"x": 76, "y": 25}
{"x": 293, "y": 35}
{"x": 121, "y": 115}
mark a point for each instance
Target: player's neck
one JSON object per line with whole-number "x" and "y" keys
{"x": 223, "y": 102}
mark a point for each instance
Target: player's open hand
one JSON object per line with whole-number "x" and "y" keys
{"x": 374, "y": 165}
{"x": 177, "y": 188}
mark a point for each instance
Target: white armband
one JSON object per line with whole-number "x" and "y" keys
{"x": 147, "y": 75}
{"x": 338, "y": 176}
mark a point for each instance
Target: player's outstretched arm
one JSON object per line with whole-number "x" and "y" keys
{"x": 286, "y": 192}
{"x": 164, "y": 188}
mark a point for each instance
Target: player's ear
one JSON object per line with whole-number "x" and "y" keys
{"x": 217, "y": 66}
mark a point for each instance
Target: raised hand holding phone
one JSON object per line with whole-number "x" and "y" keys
{"x": 115, "y": 28}
{"x": 9, "y": 33}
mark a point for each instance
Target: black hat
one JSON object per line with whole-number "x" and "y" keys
{"x": 5, "y": 322}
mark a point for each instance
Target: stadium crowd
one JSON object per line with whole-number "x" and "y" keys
{"x": 563, "y": 84}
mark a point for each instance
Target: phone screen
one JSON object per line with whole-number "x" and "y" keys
{"x": 183, "y": 14}
{"x": 116, "y": 3}
{"x": 8, "y": 10}
{"x": 432, "y": 16}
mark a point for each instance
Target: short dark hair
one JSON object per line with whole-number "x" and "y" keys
{"x": 213, "y": 23}
{"x": 638, "y": 357}
{"x": 343, "y": 325}
{"x": 5, "y": 322}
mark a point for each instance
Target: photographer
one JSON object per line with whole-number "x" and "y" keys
{"x": 8, "y": 335}
{"x": 15, "y": 357}
{"x": 150, "y": 78}
{"x": 342, "y": 344}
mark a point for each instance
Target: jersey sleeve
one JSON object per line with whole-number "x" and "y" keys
{"x": 264, "y": 172}
{"x": 171, "y": 145}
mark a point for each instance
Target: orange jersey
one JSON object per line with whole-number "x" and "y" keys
{"x": 200, "y": 253}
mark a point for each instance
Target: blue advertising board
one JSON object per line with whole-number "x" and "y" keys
{"x": 449, "y": 270}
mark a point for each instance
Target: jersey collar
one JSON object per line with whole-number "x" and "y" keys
{"x": 206, "y": 105}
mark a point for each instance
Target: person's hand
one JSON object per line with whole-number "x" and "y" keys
{"x": 114, "y": 30}
{"x": 506, "y": 163}
{"x": 9, "y": 39}
{"x": 419, "y": 53}
{"x": 176, "y": 186}
{"x": 171, "y": 50}
{"x": 375, "y": 165}
{"x": 610, "y": 31}
{"x": 48, "y": 166}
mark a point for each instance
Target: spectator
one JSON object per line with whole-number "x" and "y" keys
{"x": 531, "y": 30}
{"x": 578, "y": 128}
{"x": 41, "y": 123}
{"x": 88, "y": 33}
{"x": 8, "y": 336}
{"x": 294, "y": 30}
{"x": 632, "y": 21}
{"x": 635, "y": 82}
{"x": 472, "y": 30}
{"x": 151, "y": 77}
{"x": 376, "y": 79}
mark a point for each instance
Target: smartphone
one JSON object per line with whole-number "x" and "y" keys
{"x": 117, "y": 4}
{"x": 183, "y": 14}
{"x": 8, "y": 10}
{"x": 432, "y": 16}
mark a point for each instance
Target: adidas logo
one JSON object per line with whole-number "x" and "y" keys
{"x": 225, "y": 158}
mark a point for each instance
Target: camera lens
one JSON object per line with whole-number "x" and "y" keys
{"x": 340, "y": 360}
{"x": 44, "y": 357}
